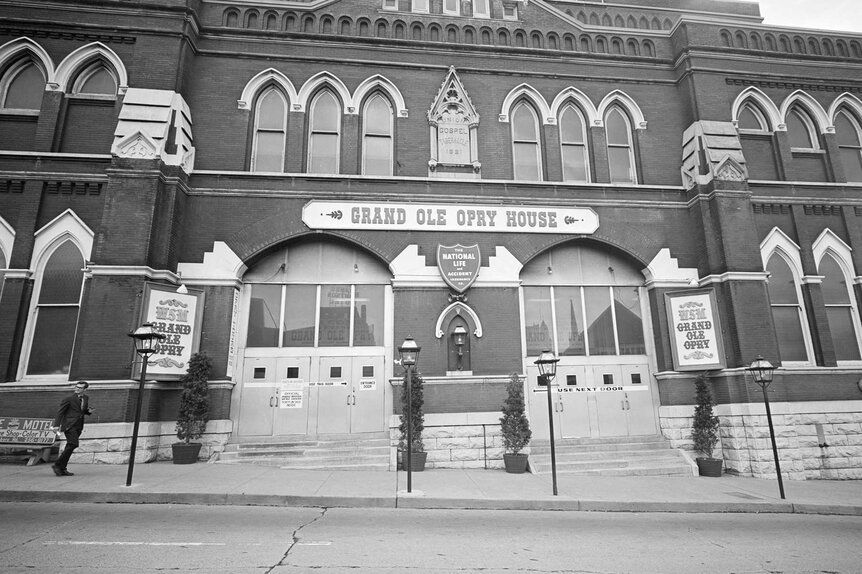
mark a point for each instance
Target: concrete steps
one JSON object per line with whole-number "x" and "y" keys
{"x": 616, "y": 456}
{"x": 336, "y": 452}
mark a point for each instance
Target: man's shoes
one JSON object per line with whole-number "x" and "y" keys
{"x": 67, "y": 473}
{"x": 57, "y": 470}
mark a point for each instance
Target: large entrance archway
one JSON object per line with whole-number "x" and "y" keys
{"x": 587, "y": 304}
{"x": 313, "y": 342}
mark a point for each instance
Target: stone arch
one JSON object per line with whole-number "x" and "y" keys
{"x": 452, "y": 34}
{"x": 250, "y": 19}
{"x": 435, "y": 33}
{"x": 726, "y": 38}
{"x": 754, "y": 41}
{"x": 288, "y": 21}
{"x": 572, "y": 94}
{"x": 262, "y": 79}
{"x": 24, "y": 46}
{"x": 381, "y": 28}
{"x": 378, "y": 82}
{"x": 345, "y": 26}
{"x": 632, "y": 47}
{"x": 317, "y": 81}
{"x": 528, "y": 92}
{"x": 811, "y": 106}
{"x": 763, "y": 102}
{"x": 553, "y": 41}
{"x": 739, "y": 39}
{"x": 363, "y": 27}
{"x": 230, "y": 18}
{"x": 625, "y": 101}
{"x": 649, "y": 48}
{"x": 72, "y": 63}
{"x": 270, "y": 20}
{"x": 458, "y": 308}
{"x": 327, "y": 24}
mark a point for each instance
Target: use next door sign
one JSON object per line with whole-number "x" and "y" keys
{"x": 695, "y": 331}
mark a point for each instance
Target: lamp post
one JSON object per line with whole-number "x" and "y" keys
{"x": 547, "y": 363}
{"x": 460, "y": 334}
{"x": 145, "y": 345}
{"x": 762, "y": 371}
{"x": 409, "y": 353}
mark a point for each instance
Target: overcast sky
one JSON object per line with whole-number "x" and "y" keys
{"x": 820, "y": 14}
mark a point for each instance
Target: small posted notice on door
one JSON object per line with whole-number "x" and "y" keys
{"x": 367, "y": 384}
{"x": 290, "y": 394}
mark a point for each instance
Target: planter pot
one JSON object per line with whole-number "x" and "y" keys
{"x": 186, "y": 453}
{"x": 709, "y": 466}
{"x": 417, "y": 461}
{"x": 515, "y": 463}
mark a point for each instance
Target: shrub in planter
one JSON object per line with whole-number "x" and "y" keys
{"x": 417, "y": 423}
{"x": 704, "y": 431}
{"x": 514, "y": 426}
{"x": 194, "y": 409}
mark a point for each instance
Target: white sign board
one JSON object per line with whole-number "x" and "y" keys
{"x": 290, "y": 394}
{"x": 359, "y": 215}
{"x": 695, "y": 331}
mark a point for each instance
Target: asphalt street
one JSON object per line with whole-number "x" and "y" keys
{"x": 78, "y": 538}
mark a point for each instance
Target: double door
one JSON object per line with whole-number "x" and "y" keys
{"x": 593, "y": 401}
{"x": 311, "y": 395}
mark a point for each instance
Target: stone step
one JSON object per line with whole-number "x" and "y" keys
{"x": 303, "y": 452}
{"x": 341, "y": 452}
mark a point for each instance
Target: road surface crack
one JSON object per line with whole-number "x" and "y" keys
{"x": 295, "y": 538}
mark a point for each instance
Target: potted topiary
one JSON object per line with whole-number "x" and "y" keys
{"x": 704, "y": 431}
{"x": 194, "y": 410}
{"x": 515, "y": 427}
{"x": 417, "y": 424}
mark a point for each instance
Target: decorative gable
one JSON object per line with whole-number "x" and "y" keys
{"x": 454, "y": 126}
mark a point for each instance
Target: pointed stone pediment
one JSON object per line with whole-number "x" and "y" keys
{"x": 452, "y": 104}
{"x": 454, "y": 129}
{"x": 137, "y": 146}
{"x": 730, "y": 170}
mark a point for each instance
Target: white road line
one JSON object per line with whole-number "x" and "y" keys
{"x": 119, "y": 543}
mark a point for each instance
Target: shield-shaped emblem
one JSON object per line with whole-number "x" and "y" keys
{"x": 459, "y": 265}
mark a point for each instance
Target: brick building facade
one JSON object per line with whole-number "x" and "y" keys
{"x": 301, "y": 171}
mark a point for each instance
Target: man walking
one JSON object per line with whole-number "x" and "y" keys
{"x": 70, "y": 420}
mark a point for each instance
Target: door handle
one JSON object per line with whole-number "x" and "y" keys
{"x": 562, "y": 407}
{"x": 628, "y": 406}
{"x": 270, "y": 400}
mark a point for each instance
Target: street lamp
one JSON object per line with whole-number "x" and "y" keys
{"x": 547, "y": 363}
{"x": 409, "y": 352}
{"x": 762, "y": 371}
{"x": 460, "y": 335}
{"x": 146, "y": 339}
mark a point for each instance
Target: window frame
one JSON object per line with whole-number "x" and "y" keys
{"x": 9, "y": 75}
{"x": 256, "y": 129}
{"x": 585, "y": 142}
{"x": 420, "y": 6}
{"x": 847, "y": 276}
{"x": 857, "y": 126}
{"x": 453, "y": 11}
{"x": 86, "y": 73}
{"x": 312, "y": 132}
{"x": 486, "y": 13}
{"x": 366, "y": 136}
{"x": 810, "y": 129}
{"x": 799, "y": 306}
{"x": 758, "y": 114}
{"x": 633, "y": 171}
{"x": 537, "y": 142}
{"x": 390, "y": 4}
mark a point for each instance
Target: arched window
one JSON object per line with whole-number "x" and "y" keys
{"x": 840, "y": 309}
{"x": 377, "y": 140}
{"x": 752, "y": 119}
{"x": 800, "y": 130}
{"x": 56, "y": 312}
{"x": 22, "y": 86}
{"x": 621, "y": 157}
{"x": 323, "y": 133}
{"x": 96, "y": 79}
{"x": 788, "y": 314}
{"x": 526, "y": 147}
{"x": 270, "y": 131}
{"x": 573, "y": 141}
{"x": 849, "y": 135}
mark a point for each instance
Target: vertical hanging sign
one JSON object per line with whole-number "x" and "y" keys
{"x": 178, "y": 317}
{"x": 695, "y": 332}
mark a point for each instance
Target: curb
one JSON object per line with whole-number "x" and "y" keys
{"x": 423, "y": 503}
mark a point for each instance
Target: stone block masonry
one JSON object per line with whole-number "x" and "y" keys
{"x": 815, "y": 440}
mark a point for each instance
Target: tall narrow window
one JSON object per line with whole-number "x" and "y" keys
{"x": 480, "y": 9}
{"x": 840, "y": 310}
{"x": 621, "y": 158}
{"x": 56, "y": 313}
{"x": 849, "y": 134}
{"x": 270, "y": 130}
{"x": 324, "y": 131}
{"x": 573, "y": 140}
{"x": 96, "y": 79}
{"x": 377, "y": 151}
{"x": 787, "y": 311}
{"x": 800, "y": 130}
{"x": 526, "y": 150}
{"x": 22, "y": 87}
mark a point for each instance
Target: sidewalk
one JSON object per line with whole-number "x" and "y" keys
{"x": 218, "y": 484}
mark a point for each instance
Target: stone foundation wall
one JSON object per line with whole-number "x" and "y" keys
{"x": 109, "y": 443}
{"x": 815, "y": 440}
{"x": 459, "y": 440}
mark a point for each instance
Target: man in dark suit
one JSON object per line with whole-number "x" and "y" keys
{"x": 70, "y": 420}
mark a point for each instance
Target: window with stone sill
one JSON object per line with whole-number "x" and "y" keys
{"x": 452, "y": 7}
{"x": 421, "y": 6}
{"x": 324, "y": 134}
{"x": 22, "y": 87}
{"x": 526, "y": 144}
{"x": 390, "y": 4}
{"x": 377, "y": 137}
{"x": 848, "y": 131}
{"x": 573, "y": 144}
{"x": 510, "y": 11}
{"x": 788, "y": 313}
{"x": 841, "y": 310}
{"x": 481, "y": 9}
{"x": 270, "y": 132}
{"x": 621, "y": 158}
